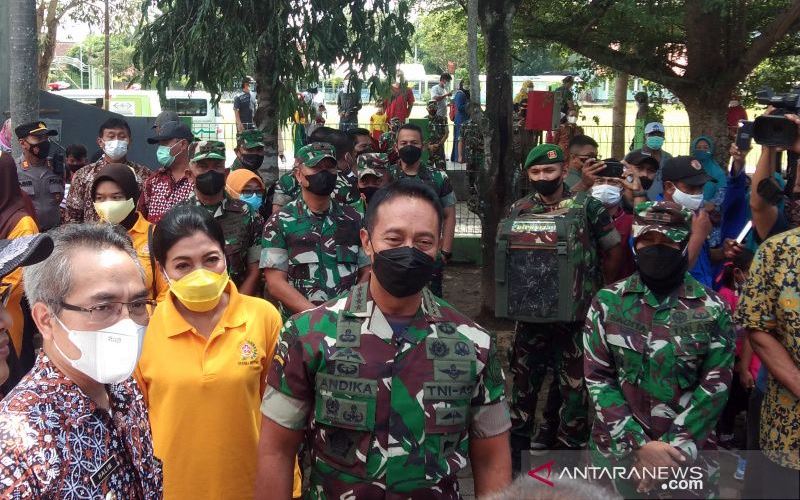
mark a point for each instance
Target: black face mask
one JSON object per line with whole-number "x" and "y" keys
{"x": 322, "y": 183}
{"x": 403, "y": 271}
{"x": 662, "y": 268}
{"x": 409, "y": 154}
{"x": 252, "y": 161}
{"x": 210, "y": 183}
{"x": 40, "y": 150}
{"x": 546, "y": 188}
{"x": 368, "y": 192}
{"x": 647, "y": 182}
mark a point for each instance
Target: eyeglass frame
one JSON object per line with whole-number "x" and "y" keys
{"x": 91, "y": 309}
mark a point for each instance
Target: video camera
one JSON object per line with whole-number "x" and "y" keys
{"x": 775, "y": 129}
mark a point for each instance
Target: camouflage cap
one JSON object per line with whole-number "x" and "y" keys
{"x": 544, "y": 154}
{"x": 432, "y": 104}
{"x": 372, "y": 164}
{"x": 208, "y": 150}
{"x": 313, "y": 153}
{"x": 250, "y": 139}
{"x": 665, "y": 217}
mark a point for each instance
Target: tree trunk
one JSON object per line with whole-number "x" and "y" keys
{"x": 472, "y": 53}
{"x": 23, "y": 44}
{"x": 708, "y": 116}
{"x": 48, "y": 48}
{"x": 618, "y": 117}
{"x": 496, "y": 174}
{"x": 266, "y": 117}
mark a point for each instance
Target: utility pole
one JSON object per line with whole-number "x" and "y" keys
{"x": 23, "y": 42}
{"x": 106, "y": 65}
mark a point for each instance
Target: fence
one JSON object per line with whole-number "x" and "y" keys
{"x": 468, "y": 224}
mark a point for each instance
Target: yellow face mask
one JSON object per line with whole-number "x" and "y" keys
{"x": 200, "y": 290}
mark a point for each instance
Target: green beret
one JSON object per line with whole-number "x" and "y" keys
{"x": 544, "y": 154}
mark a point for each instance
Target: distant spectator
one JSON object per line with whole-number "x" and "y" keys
{"x": 401, "y": 101}
{"x": 76, "y": 157}
{"x": 567, "y": 99}
{"x": 568, "y": 129}
{"x": 244, "y": 106}
{"x": 378, "y": 121}
{"x": 439, "y": 93}
{"x": 736, "y": 112}
{"x": 349, "y": 103}
{"x": 461, "y": 100}
{"x": 654, "y": 136}
{"x": 5, "y": 136}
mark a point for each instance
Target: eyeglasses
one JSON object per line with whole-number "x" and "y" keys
{"x": 586, "y": 157}
{"x": 249, "y": 192}
{"x": 138, "y": 310}
{"x": 5, "y": 293}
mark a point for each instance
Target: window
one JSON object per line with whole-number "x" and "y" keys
{"x": 188, "y": 107}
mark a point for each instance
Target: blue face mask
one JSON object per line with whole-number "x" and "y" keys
{"x": 164, "y": 156}
{"x": 253, "y": 200}
{"x": 654, "y": 142}
{"x": 702, "y": 155}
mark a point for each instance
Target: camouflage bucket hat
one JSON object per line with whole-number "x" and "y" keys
{"x": 372, "y": 164}
{"x": 250, "y": 139}
{"x": 315, "y": 152}
{"x": 208, "y": 150}
{"x": 665, "y": 217}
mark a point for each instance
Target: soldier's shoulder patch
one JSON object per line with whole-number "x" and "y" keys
{"x": 237, "y": 206}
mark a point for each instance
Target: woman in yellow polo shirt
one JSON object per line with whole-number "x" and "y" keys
{"x": 16, "y": 221}
{"x": 115, "y": 192}
{"x": 204, "y": 364}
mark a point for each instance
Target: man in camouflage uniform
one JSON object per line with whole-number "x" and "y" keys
{"x": 472, "y": 135}
{"x": 250, "y": 155}
{"x": 392, "y": 387}
{"x": 373, "y": 174}
{"x": 409, "y": 138}
{"x": 437, "y": 135}
{"x": 388, "y": 139}
{"x": 241, "y": 227}
{"x": 659, "y": 352}
{"x": 556, "y": 346}
{"x": 311, "y": 251}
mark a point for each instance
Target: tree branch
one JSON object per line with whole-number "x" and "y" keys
{"x": 763, "y": 43}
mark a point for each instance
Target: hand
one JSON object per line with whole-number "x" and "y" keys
{"x": 701, "y": 224}
{"x": 731, "y": 248}
{"x": 635, "y": 184}
{"x": 796, "y": 120}
{"x": 746, "y": 378}
{"x": 589, "y": 173}
{"x": 653, "y": 455}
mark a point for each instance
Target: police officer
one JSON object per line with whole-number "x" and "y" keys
{"x": 241, "y": 227}
{"x": 437, "y": 135}
{"x": 539, "y": 346}
{"x": 659, "y": 352}
{"x": 36, "y": 178}
{"x": 399, "y": 388}
{"x": 311, "y": 252}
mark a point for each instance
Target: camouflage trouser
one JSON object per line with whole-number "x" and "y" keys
{"x": 538, "y": 347}
{"x": 436, "y": 158}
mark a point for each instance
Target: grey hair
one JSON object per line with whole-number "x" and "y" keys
{"x": 50, "y": 281}
{"x": 528, "y": 488}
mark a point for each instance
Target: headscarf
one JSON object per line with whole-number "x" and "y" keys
{"x": 5, "y": 137}
{"x": 238, "y": 179}
{"x": 120, "y": 174}
{"x": 13, "y": 206}
{"x": 713, "y": 192}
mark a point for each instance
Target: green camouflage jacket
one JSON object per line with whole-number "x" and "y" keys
{"x": 473, "y": 142}
{"x": 388, "y": 412}
{"x": 321, "y": 253}
{"x": 437, "y": 128}
{"x": 436, "y": 179}
{"x": 656, "y": 370}
{"x": 242, "y": 231}
{"x": 386, "y": 141}
{"x": 346, "y": 191}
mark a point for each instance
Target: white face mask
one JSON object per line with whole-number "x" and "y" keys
{"x": 572, "y": 119}
{"x": 115, "y": 149}
{"x": 109, "y": 355}
{"x": 690, "y": 201}
{"x": 607, "y": 194}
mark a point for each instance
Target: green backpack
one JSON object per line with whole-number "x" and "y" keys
{"x": 546, "y": 265}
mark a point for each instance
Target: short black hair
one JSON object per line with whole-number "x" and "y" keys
{"x": 580, "y": 141}
{"x": 182, "y": 222}
{"x": 411, "y": 126}
{"x": 446, "y": 77}
{"x": 342, "y": 142}
{"x": 113, "y": 123}
{"x": 353, "y": 132}
{"x": 321, "y": 134}
{"x": 76, "y": 151}
{"x": 409, "y": 188}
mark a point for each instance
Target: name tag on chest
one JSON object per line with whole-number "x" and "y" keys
{"x": 105, "y": 470}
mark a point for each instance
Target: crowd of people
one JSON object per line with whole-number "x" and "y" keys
{"x": 210, "y": 332}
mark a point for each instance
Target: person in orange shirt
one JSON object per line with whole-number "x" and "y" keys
{"x": 204, "y": 364}
{"x": 16, "y": 221}
{"x": 115, "y": 191}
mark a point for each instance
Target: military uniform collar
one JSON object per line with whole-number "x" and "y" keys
{"x": 690, "y": 289}
{"x": 223, "y": 205}
{"x": 333, "y": 208}
{"x": 567, "y": 194}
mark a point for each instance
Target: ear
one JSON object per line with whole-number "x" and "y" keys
{"x": 299, "y": 177}
{"x": 364, "y": 235}
{"x": 44, "y": 320}
{"x": 669, "y": 187}
{"x": 100, "y": 142}
{"x": 563, "y": 171}
{"x": 189, "y": 175}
